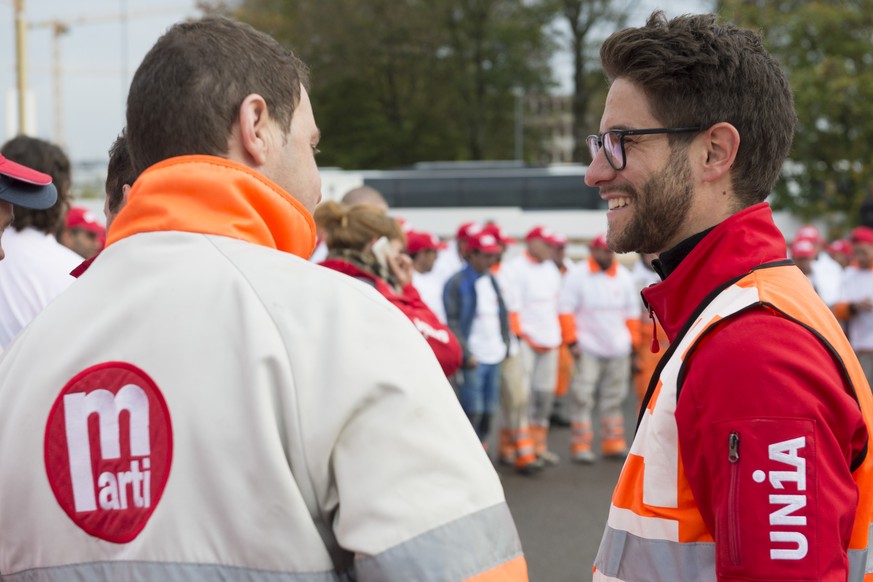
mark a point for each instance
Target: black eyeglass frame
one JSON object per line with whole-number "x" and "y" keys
{"x": 597, "y": 139}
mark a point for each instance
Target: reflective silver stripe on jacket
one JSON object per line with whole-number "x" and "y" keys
{"x": 458, "y": 550}
{"x": 861, "y": 561}
{"x": 665, "y": 560}
{"x": 654, "y": 559}
{"x": 165, "y": 572}
{"x": 858, "y": 564}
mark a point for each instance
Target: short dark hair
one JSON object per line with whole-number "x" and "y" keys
{"x": 119, "y": 172}
{"x": 697, "y": 71}
{"x": 50, "y": 159}
{"x": 185, "y": 96}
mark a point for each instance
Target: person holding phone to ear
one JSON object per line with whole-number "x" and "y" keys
{"x": 367, "y": 244}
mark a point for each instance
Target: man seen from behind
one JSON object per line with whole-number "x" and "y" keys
{"x": 234, "y": 411}
{"x": 25, "y": 187}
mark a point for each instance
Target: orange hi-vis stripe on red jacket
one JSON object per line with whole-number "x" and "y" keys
{"x": 656, "y": 530}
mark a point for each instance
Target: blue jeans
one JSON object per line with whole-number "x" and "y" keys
{"x": 478, "y": 395}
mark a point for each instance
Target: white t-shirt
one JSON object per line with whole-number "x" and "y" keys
{"x": 601, "y": 302}
{"x": 448, "y": 262}
{"x": 858, "y": 285}
{"x": 430, "y": 288}
{"x": 486, "y": 340}
{"x": 35, "y": 271}
{"x": 827, "y": 278}
{"x": 532, "y": 290}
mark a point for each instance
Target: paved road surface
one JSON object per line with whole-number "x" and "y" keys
{"x": 560, "y": 513}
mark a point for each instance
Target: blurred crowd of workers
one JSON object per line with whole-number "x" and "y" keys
{"x": 527, "y": 342}
{"x": 537, "y": 338}
{"x": 841, "y": 272}
{"x": 529, "y": 339}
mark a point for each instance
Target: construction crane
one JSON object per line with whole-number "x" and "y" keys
{"x": 60, "y": 27}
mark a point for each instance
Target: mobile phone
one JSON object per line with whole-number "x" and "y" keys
{"x": 382, "y": 249}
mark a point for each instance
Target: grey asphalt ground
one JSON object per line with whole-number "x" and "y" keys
{"x": 560, "y": 512}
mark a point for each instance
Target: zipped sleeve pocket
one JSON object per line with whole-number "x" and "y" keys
{"x": 763, "y": 498}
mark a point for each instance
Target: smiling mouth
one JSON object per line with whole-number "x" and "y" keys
{"x": 618, "y": 202}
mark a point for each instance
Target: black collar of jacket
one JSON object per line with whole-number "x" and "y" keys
{"x": 668, "y": 261}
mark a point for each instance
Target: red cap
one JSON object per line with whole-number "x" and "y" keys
{"x": 83, "y": 218}
{"x": 417, "y": 241}
{"x": 539, "y": 232}
{"x": 862, "y": 234}
{"x": 599, "y": 242}
{"x": 803, "y": 248}
{"x": 494, "y": 229}
{"x": 840, "y": 246}
{"x": 25, "y": 186}
{"x": 467, "y": 230}
{"x": 486, "y": 243}
{"x": 808, "y": 232}
{"x": 12, "y": 170}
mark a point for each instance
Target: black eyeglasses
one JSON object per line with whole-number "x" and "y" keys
{"x": 612, "y": 142}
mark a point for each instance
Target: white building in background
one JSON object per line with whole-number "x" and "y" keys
{"x": 549, "y": 119}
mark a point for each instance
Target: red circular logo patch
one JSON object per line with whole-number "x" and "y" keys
{"x": 108, "y": 450}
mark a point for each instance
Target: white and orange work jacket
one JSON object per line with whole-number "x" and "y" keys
{"x": 655, "y": 529}
{"x": 204, "y": 403}
{"x": 531, "y": 290}
{"x": 600, "y": 309}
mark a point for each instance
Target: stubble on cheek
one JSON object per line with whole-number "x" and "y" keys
{"x": 658, "y": 210}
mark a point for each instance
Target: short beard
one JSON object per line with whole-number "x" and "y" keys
{"x": 660, "y": 208}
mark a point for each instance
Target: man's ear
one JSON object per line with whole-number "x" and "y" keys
{"x": 125, "y": 190}
{"x": 254, "y": 129}
{"x": 722, "y": 141}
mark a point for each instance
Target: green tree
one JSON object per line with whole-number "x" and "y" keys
{"x": 585, "y": 17}
{"x": 826, "y": 48}
{"x": 400, "y": 81}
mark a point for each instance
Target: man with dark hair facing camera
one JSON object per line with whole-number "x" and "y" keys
{"x": 751, "y": 457}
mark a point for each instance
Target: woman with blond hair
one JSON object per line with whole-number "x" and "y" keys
{"x": 367, "y": 244}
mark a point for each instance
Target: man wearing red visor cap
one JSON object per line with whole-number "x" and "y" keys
{"x": 22, "y": 186}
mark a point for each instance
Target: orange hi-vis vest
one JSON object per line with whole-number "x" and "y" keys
{"x": 655, "y": 530}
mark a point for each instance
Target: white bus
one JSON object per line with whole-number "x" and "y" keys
{"x": 439, "y": 196}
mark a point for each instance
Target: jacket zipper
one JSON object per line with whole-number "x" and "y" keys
{"x": 733, "y": 498}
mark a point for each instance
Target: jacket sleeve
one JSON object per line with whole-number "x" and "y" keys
{"x": 768, "y": 430}
{"x": 452, "y": 304}
{"x": 398, "y": 471}
{"x": 439, "y": 337}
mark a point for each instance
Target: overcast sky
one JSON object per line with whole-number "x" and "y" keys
{"x": 99, "y": 55}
